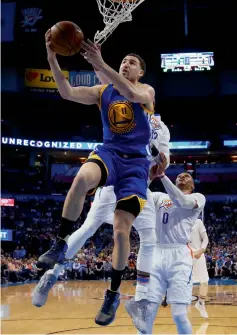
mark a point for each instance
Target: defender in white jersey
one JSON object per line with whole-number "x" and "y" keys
{"x": 199, "y": 242}
{"x": 102, "y": 211}
{"x": 176, "y": 213}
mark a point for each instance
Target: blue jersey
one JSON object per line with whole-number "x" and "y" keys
{"x": 125, "y": 124}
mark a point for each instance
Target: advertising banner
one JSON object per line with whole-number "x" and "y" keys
{"x": 230, "y": 143}
{"x": 41, "y": 80}
{"x": 83, "y": 78}
{"x": 6, "y": 235}
{"x": 90, "y": 145}
{"x": 7, "y": 202}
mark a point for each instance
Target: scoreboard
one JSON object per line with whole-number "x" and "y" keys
{"x": 190, "y": 61}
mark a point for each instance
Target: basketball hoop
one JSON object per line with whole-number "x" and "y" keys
{"x": 114, "y": 12}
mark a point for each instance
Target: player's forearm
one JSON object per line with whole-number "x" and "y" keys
{"x": 185, "y": 201}
{"x": 124, "y": 86}
{"x": 102, "y": 77}
{"x": 63, "y": 85}
{"x": 164, "y": 147}
{"x": 161, "y": 147}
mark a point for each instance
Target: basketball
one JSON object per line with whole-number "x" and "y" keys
{"x": 66, "y": 38}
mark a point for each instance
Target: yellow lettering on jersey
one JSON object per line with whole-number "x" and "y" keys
{"x": 121, "y": 117}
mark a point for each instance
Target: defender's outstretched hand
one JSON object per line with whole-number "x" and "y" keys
{"x": 157, "y": 171}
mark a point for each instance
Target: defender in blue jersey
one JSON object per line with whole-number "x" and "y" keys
{"x": 121, "y": 161}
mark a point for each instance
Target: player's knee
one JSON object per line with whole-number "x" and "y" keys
{"x": 144, "y": 258}
{"x": 179, "y": 310}
{"x": 121, "y": 234}
{"x": 82, "y": 183}
{"x": 87, "y": 178}
{"x": 79, "y": 184}
{"x": 122, "y": 226}
{"x": 180, "y": 317}
{"x": 147, "y": 244}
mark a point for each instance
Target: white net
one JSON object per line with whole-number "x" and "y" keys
{"x": 114, "y": 12}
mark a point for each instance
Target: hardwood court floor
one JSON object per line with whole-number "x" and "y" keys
{"x": 72, "y": 306}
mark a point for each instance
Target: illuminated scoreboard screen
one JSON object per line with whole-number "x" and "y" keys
{"x": 187, "y": 62}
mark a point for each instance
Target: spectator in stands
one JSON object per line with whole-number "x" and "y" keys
{"x": 4, "y": 269}
{"x": 69, "y": 270}
{"x": 16, "y": 253}
{"x": 234, "y": 270}
{"x": 83, "y": 269}
{"x": 91, "y": 271}
{"x": 219, "y": 264}
{"x": 227, "y": 268}
{"x": 76, "y": 267}
{"x": 99, "y": 268}
{"x": 22, "y": 253}
{"x": 35, "y": 222}
{"x": 107, "y": 267}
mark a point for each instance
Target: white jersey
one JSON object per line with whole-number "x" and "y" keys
{"x": 160, "y": 137}
{"x": 174, "y": 224}
{"x": 197, "y": 230}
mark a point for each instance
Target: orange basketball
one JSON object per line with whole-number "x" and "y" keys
{"x": 66, "y": 38}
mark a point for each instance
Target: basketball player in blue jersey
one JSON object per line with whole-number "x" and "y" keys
{"x": 120, "y": 162}
{"x": 102, "y": 211}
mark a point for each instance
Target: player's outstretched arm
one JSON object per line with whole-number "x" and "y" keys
{"x": 144, "y": 94}
{"x": 188, "y": 201}
{"x": 182, "y": 200}
{"x": 84, "y": 95}
{"x": 101, "y": 76}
